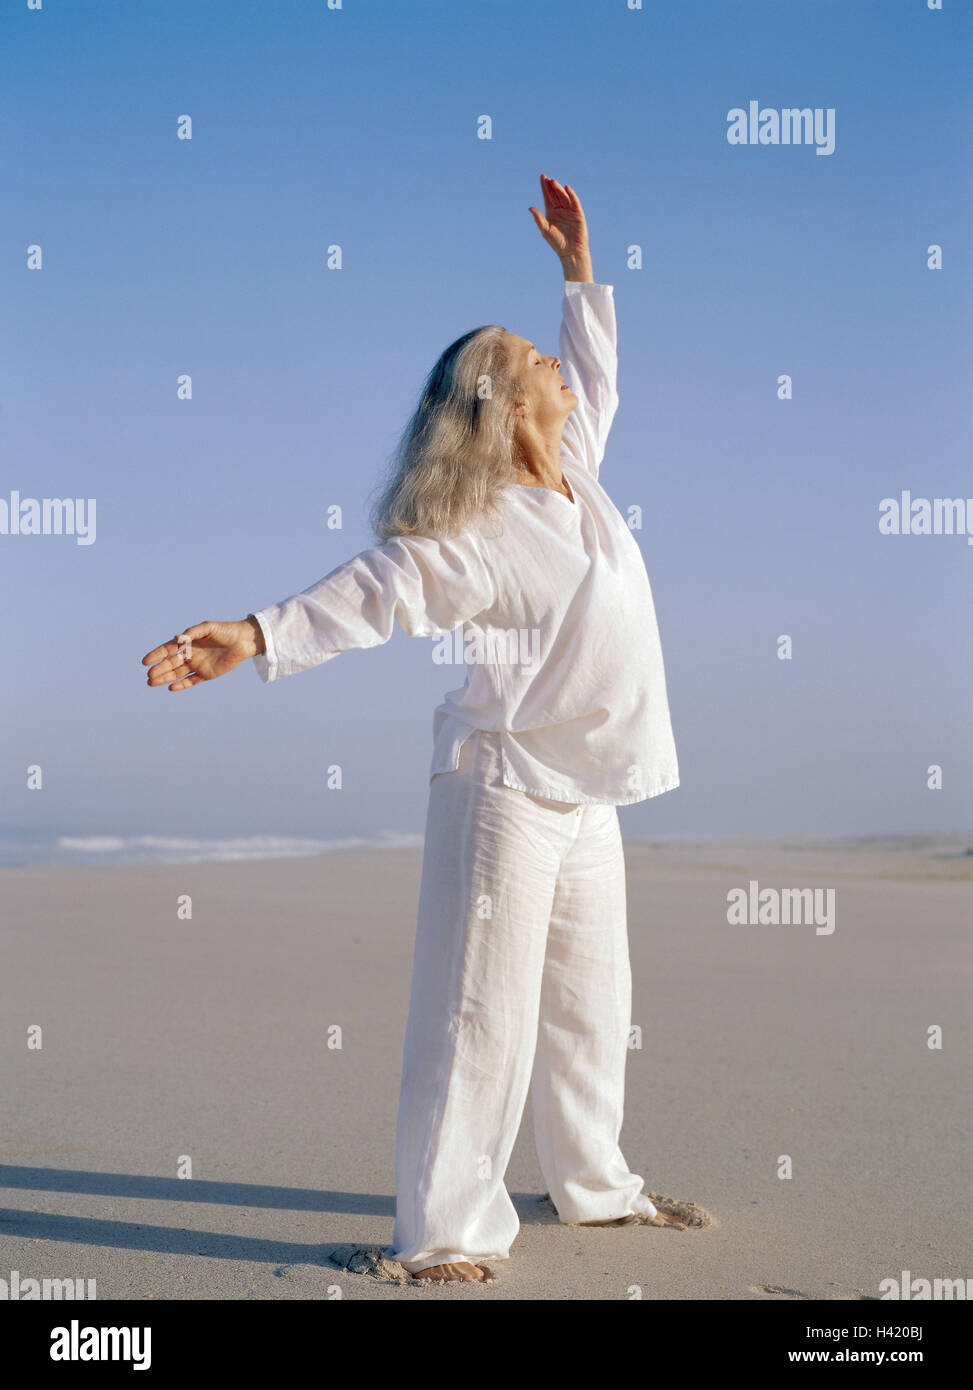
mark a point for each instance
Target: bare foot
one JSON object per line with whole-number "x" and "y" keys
{"x": 461, "y": 1270}
{"x": 661, "y": 1218}
{"x": 664, "y": 1218}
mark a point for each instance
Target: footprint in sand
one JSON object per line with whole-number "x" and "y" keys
{"x": 371, "y": 1261}
{"x": 777, "y": 1289}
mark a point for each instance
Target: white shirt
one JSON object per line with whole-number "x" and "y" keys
{"x": 555, "y": 615}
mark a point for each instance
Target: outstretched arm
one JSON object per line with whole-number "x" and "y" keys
{"x": 425, "y": 584}
{"x": 587, "y": 341}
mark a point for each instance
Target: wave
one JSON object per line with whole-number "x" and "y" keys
{"x": 64, "y": 850}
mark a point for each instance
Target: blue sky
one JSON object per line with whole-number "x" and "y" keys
{"x": 358, "y": 127}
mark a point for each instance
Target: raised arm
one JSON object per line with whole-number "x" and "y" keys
{"x": 425, "y": 584}
{"x": 587, "y": 340}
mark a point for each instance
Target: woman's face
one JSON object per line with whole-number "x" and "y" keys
{"x": 546, "y": 400}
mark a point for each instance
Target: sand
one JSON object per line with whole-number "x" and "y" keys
{"x": 212, "y": 1040}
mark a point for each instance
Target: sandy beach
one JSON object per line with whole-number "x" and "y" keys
{"x": 260, "y": 1039}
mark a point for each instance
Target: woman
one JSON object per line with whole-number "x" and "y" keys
{"x": 495, "y": 520}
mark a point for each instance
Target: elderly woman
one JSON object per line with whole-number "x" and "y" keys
{"x": 495, "y": 523}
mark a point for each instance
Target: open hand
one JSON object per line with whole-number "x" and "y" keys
{"x": 562, "y": 224}
{"x": 201, "y": 653}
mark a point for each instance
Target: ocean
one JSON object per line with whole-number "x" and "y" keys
{"x": 43, "y": 849}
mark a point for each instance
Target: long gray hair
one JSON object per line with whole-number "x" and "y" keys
{"x": 456, "y": 453}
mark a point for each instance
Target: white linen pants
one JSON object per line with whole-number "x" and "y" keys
{"x": 520, "y": 979}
